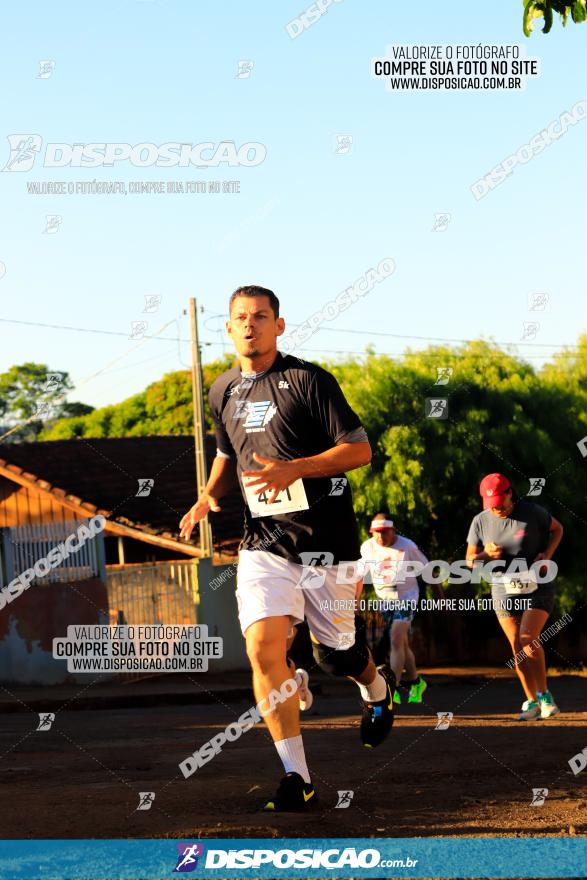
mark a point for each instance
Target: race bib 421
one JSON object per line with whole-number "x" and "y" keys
{"x": 288, "y": 501}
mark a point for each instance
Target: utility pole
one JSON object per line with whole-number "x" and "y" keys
{"x": 206, "y": 545}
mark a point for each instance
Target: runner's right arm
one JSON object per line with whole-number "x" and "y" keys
{"x": 222, "y": 479}
{"x": 491, "y": 551}
{"x": 475, "y": 541}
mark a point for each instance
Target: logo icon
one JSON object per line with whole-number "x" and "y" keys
{"x": 53, "y": 223}
{"x": 338, "y": 485}
{"x": 530, "y": 329}
{"x": 138, "y": 329}
{"x": 581, "y": 445}
{"x": 242, "y": 386}
{"x": 444, "y": 719}
{"x": 343, "y": 144}
{"x": 386, "y": 572}
{"x": 42, "y": 409}
{"x": 241, "y": 407}
{"x": 345, "y": 641}
{"x": 145, "y": 486}
{"x": 441, "y": 222}
{"x": 46, "y": 69}
{"x": 46, "y": 719}
{"x": 537, "y": 302}
{"x": 283, "y": 384}
{"x": 187, "y": 860}
{"x": 443, "y": 375}
{"x": 259, "y": 414}
{"x": 344, "y": 800}
{"x": 152, "y": 302}
{"x": 436, "y": 408}
{"x": 23, "y": 151}
{"x": 314, "y": 567}
{"x": 146, "y": 799}
{"x": 244, "y": 69}
{"x": 53, "y": 382}
{"x": 537, "y": 484}
{"x": 539, "y": 795}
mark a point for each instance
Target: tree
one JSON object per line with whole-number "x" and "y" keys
{"x": 502, "y": 416}
{"x": 30, "y": 390}
{"x": 164, "y": 407}
{"x": 545, "y": 8}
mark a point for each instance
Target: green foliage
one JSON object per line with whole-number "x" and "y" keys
{"x": 545, "y": 8}
{"x": 165, "y": 407}
{"x": 503, "y": 416}
{"x": 33, "y": 389}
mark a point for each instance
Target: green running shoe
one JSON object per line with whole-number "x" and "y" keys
{"x": 548, "y": 707}
{"x": 397, "y": 697}
{"x": 417, "y": 691}
{"x": 530, "y": 711}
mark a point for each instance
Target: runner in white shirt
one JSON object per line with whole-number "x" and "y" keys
{"x": 383, "y": 555}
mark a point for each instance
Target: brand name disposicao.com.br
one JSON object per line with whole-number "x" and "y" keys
{"x": 329, "y": 859}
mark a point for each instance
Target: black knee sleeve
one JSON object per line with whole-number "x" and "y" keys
{"x": 351, "y": 661}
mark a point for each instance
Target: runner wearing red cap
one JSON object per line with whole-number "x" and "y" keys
{"x": 519, "y": 533}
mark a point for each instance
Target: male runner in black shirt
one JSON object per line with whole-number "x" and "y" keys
{"x": 285, "y": 429}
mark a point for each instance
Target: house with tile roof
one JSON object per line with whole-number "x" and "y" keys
{"x": 137, "y": 570}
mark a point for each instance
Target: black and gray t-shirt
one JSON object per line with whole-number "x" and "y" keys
{"x": 293, "y": 410}
{"x": 521, "y": 535}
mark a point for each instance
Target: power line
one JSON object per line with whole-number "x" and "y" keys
{"x": 94, "y": 330}
{"x": 319, "y": 330}
{"x": 110, "y": 363}
{"x": 323, "y": 329}
{"x": 421, "y": 354}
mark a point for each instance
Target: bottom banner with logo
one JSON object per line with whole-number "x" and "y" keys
{"x": 313, "y": 857}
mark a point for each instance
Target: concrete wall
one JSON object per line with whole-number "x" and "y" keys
{"x": 32, "y": 620}
{"x": 43, "y": 612}
{"x": 218, "y": 610}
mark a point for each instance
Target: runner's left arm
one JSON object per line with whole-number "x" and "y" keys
{"x": 555, "y": 533}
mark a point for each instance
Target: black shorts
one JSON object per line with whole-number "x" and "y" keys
{"x": 510, "y": 605}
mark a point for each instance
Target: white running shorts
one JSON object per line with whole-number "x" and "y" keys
{"x": 270, "y": 586}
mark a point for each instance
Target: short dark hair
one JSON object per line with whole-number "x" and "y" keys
{"x": 255, "y": 290}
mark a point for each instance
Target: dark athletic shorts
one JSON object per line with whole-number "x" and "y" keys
{"x": 509, "y": 605}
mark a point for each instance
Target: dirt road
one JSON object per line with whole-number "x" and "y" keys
{"x": 82, "y": 778}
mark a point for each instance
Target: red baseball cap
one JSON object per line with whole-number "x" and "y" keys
{"x": 493, "y": 488}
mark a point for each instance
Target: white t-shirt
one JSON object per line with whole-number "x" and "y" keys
{"x": 384, "y": 563}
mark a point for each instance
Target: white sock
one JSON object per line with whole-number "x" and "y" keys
{"x": 375, "y": 691}
{"x": 291, "y": 752}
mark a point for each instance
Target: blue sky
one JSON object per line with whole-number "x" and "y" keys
{"x": 307, "y": 221}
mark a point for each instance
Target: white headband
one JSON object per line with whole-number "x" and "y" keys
{"x": 381, "y": 524}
